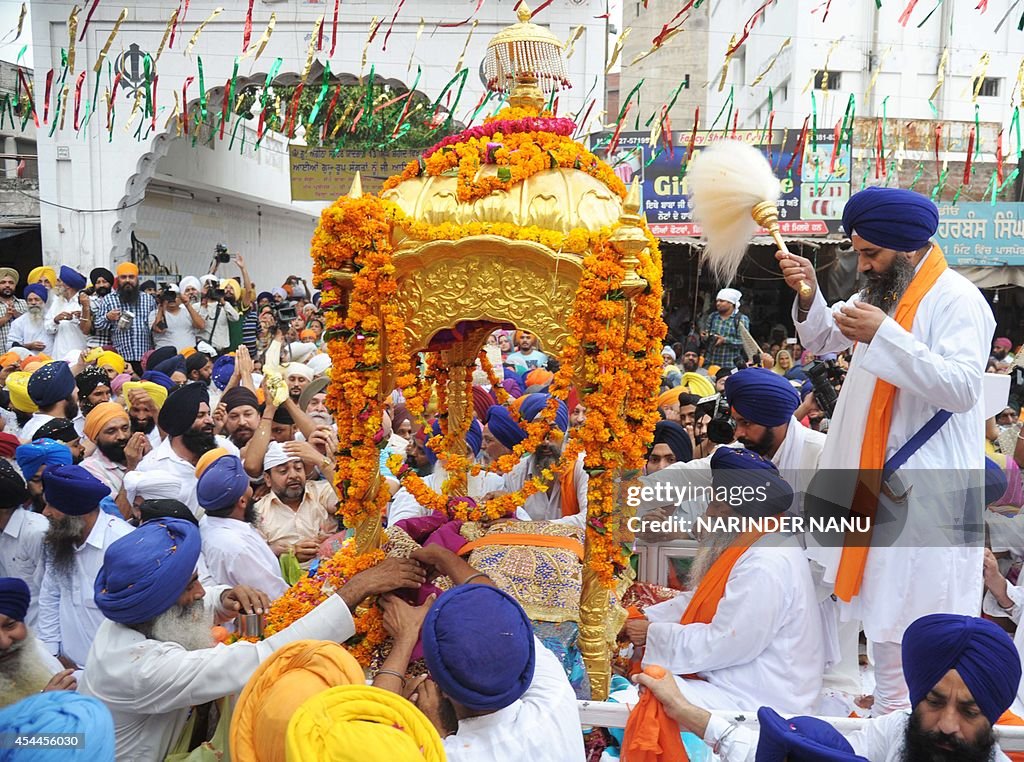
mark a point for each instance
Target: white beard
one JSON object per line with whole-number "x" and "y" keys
{"x": 22, "y": 672}
{"x": 188, "y": 627}
{"x": 709, "y": 551}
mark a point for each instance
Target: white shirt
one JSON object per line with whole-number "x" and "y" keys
{"x": 993, "y": 609}
{"x": 404, "y": 505}
{"x": 797, "y": 460}
{"x": 67, "y": 335}
{"x": 879, "y": 740}
{"x": 180, "y": 332}
{"x": 21, "y": 554}
{"x": 149, "y": 686}
{"x": 237, "y": 554}
{"x": 221, "y": 337}
{"x": 938, "y": 365}
{"x": 32, "y": 425}
{"x": 164, "y": 458}
{"x": 547, "y": 506}
{"x": 764, "y": 645}
{"x": 68, "y": 615}
{"x": 679, "y": 485}
{"x": 28, "y": 329}
{"x": 106, "y": 470}
{"x": 541, "y": 726}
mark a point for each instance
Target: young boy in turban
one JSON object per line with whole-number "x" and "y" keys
{"x": 962, "y": 673}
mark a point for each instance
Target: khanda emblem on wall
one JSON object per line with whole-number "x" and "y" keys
{"x": 131, "y": 65}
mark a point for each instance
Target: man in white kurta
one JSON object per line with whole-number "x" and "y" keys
{"x": 21, "y": 537}
{"x": 149, "y": 683}
{"x": 235, "y": 551}
{"x": 69, "y": 314}
{"x": 937, "y": 365}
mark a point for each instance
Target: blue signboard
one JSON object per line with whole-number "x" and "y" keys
{"x": 972, "y": 234}
{"x": 814, "y": 192}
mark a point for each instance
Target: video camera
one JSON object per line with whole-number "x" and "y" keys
{"x": 721, "y": 428}
{"x": 220, "y": 253}
{"x": 285, "y": 312}
{"x": 166, "y": 294}
{"x": 826, "y": 377}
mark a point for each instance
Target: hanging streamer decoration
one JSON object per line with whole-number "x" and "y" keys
{"x": 247, "y": 29}
{"x": 771, "y": 63}
{"x": 199, "y": 30}
{"x": 334, "y": 29}
{"x": 311, "y": 50}
{"x": 940, "y": 77}
{"x": 617, "y": 50}
{"x": 391, "y": 25}
{"x": 570, "y": 44}
{"x": 465, "y": 47}
{"x": 171, "y": 23}
{"x": 98, "y": 66}
{"x": 88, "y": 18}
{"x": 72, "y": 32}
{"x": 734, "y": 46}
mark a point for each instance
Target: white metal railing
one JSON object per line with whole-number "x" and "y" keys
{"x": 608, "y": 714}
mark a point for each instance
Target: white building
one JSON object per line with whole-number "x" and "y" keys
{"x": 858, "y": 40}
{"x": 181, "y": 200}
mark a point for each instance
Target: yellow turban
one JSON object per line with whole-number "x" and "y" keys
{"x": 17, "y": 385}
{"x": 93, "y": 354}
{"x": 360, "y": 723}
{"x": 113, "y": 359}
{"x": 100, "y": 416}
{"x": 278, "y": 687}
{"x": 207, "y": 459}
{"x": 234, "y": 285}
{"x": 698, "y": 384}
{"x": 187, "y": 352}
{"x": 38, "y": 273}
{"x": 156, "y": 392}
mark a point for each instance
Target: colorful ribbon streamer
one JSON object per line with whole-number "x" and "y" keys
{"x": 195, "y": 35}
{"x": 247, "y": 29}
{"x": 72, "y": 32}
{"x": 168, "y": 30}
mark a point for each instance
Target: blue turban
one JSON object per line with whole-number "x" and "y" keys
{"x": 800, "y": 739}
{"x": 504, "y": 427}
{"x": 60, "y": 713}
{"x": 159, "y": 378}
{"x": 761, "y": 396}
{"x": 223, "y": 369}
{"x": 39, "y": 290}
{"x": 474, "y": 439}
{"x": 222, "y": 484}
{"x": 159, "y": 355}
{"x": 532, "y": 404}
{"x": 674, "y": 435}
{"x": 14, "y": 598}
{"x": 479, "y": 647}
{"x": 740, "y": 471}
{"x": 995, "y": 481}
{"x": 42, "y": 452}
{"x": 51, "y": 383}
{"x": 72, "y": 278}
{"x": 72, "y": 490}
{"x": 145, "y": 572}
{"x": 175, "y": 364}
{"x": 980, "y": 651}
{"x": 264, "y": 295}
{"x": 892, "y": 218}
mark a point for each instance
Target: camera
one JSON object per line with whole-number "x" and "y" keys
{"x": 220, "y": 251}
{"x": 721, "y": 428}
{"x": 826, "y": 377}
{"x": 285, "y": 312}
{"x": 213, "y": 293}
{"x": 167, "y": 294}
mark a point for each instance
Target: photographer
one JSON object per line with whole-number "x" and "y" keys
{"x": 721, "y": 334}
{"x": 173, "y": 326}
{"x": 217, "y": 311}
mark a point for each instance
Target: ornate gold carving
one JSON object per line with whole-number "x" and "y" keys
{"x": 486, "y": 278}
{"x": 556, "y": 199}
{"x": 595, "y": 606}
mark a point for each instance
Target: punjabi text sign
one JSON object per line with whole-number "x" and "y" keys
{"x": 317, "y": 174}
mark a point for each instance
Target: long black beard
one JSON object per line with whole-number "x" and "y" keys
{"x": 63, "y": 536}
{"x": 113, "y": 450}
{"x": 922, "y": 746}
{"x": 128, "y": 294}
{"x": 38, "y": 502}
{"x": 198, "y": 442}
{"x": 885, "y": 290}
{"x": 71, "y": 407}
{"x": 102, "y": 290}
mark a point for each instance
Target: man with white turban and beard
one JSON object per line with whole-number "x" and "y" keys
{"x": 920, "y": 335}
{"x": 154, "y": 659}
{"x": 25, "y": 667}
{"x": 750, "y": 632}
{"x": 79, "y": 533}
{"x": 22, "y": 534}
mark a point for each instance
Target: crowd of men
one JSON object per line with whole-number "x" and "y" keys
{"x": 167, "y": 464}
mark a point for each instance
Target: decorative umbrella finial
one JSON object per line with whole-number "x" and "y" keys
{"x": 526, "y": 61}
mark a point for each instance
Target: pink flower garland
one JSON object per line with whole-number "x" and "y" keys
{"x": 556, "y": 125}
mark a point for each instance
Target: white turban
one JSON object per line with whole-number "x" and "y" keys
{"x": 150, "y": 485}
{"x": 298, "y": 369}
{"x": 209, "y": 278}
{"x": 301, "y": 352}
{"x": 277, "y": 456}
{"x": 729, "y": 295}
{"x": 671, "y": 353}
{"x": 319, "y": 364}
{"x": 190, "y": 281}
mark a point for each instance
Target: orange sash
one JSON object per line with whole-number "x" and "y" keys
{"x": 1009, "y": 718}
{"x": 876, "y": 435}
{"x": 531, "y": 540}
{"x": 704, "y": 604}
{"x": 570, "y": 503}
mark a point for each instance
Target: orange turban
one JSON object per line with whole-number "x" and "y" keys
{"x": 539, "y": 377}
{"x": 278, "y": 687}
{"x": 127, "y": 268}
{"x": 207, "y": 459}
{"x": 101, "y": 416}
{"x": 671, "y": 397}
{"x": 11, "y": 358}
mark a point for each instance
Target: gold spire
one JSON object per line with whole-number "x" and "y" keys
{"x": 356, "y": 190}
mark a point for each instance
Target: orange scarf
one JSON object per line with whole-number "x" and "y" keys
{"x": 1009, "y": 718}
{"x": 876, "y": 436}
{"x": 570, "y": 503}
{"x": 651, "y": 735}
{"x": 704, "y": 604}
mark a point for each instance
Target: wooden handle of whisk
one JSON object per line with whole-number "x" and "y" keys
{"x": 805, "y": 287}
